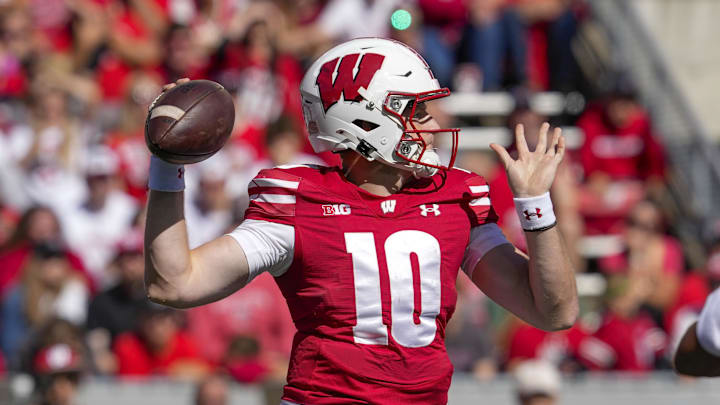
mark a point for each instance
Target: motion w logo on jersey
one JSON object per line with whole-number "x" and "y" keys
{"x": 388, "y": 206}
{"x": 335, "y": 209}
{"x": 345, "y": 83}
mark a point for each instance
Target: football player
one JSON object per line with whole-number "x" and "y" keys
{"x": 367, "y": 254}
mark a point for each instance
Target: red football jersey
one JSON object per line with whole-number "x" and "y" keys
{"x": 372, "y": 283}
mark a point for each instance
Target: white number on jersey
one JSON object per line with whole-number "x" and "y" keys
{"x": 399, "y": 248}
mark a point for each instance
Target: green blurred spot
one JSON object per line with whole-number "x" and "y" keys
{"x": 401, "y": 19}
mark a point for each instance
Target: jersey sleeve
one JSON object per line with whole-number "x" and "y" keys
{"x": 268, "y": 246}
{"x": 476, "y": 201}
{"x": 273, "y": 194}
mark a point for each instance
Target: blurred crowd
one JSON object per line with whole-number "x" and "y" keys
{"x": 76, "y": 80}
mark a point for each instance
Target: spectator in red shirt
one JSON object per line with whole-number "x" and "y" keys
{"x": 627, "y": 339}
{"x": 652, "y": 261}
{"x": 559, "y": 348}
{"x": 243, "y": 361}
{"x": 159, "y": 347}
{"x": 37, "y": 225}
{"x": 619, "y": 141}
{"x": 264, "y": 81}
{"x": 127, "y": 135}
{"x": 621, "y": 159}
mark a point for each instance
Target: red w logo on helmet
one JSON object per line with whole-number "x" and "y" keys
{"x": 345, "y": 83}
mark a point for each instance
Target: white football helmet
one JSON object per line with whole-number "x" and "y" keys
{"x": 355, "y": 97}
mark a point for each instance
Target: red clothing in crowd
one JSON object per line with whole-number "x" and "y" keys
{"x": 624, "y": 344}
{"x": 528, "y": 342}
{"x": 673, "y": 259}
{"x": 257, "y": 310}
{"x": 691, "y": 296}
{"x": 134, "y": 158}
{"x": 134, "y": 357}
{"x": 12, "y": 262}
{"x": 627, "y": 153}
{"x": 13, "y": 77}
{"x": 450, "y": 16}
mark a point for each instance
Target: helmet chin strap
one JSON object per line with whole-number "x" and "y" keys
{"x": 346, "y": 170}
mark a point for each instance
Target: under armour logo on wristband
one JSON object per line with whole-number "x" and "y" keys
{"x": 181, "y": 172}
{"x": 529, "y": 215}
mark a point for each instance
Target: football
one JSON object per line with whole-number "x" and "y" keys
{"x": 190, "y": 122}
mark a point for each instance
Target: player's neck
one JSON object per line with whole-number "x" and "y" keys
{"x": 374, "y": 177}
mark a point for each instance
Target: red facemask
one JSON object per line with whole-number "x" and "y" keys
{"x": 411, "y": 134}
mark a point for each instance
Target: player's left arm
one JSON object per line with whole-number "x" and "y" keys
{"x": 539, "y": 287}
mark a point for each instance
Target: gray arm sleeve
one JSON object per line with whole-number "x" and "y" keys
{"x": 483, "y": 239}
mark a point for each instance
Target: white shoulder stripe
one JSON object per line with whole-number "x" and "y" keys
{"x": 273, "y": 198}
{"x": 291, "y": 166}
{"x": 480, "y": 189}
{"x": 480, "y": 201}
{"x": 167, "y": 111}
{"x": 268, "y": 182}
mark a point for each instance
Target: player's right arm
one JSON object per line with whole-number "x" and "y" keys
{"x": 180, "y": 277}
{"x": 698, "y": 353}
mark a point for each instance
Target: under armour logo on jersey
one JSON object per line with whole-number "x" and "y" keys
{"x": 529, "y": 215}
{"x": 335, "y": 209}
{"x": 430, "y": 209}
{"x": 181, "y": 172}
{"x": 388, "y": 206}
{"x": 347, "y": 83}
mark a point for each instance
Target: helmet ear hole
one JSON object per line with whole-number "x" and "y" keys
{"x": 366, "y": 126}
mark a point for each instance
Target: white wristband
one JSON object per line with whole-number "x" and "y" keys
{"x": 166, "y": 176}
{"x": 536, "y": 213}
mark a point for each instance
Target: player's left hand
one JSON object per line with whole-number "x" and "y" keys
{"x": 532, "y": 173}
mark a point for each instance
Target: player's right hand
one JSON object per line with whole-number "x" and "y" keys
{"x": 166, "y": 88}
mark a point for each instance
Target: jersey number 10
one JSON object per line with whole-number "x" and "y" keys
{"x": 399, "y": 247}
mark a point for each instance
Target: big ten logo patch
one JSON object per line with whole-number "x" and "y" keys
{"x": 335, "y": 209}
